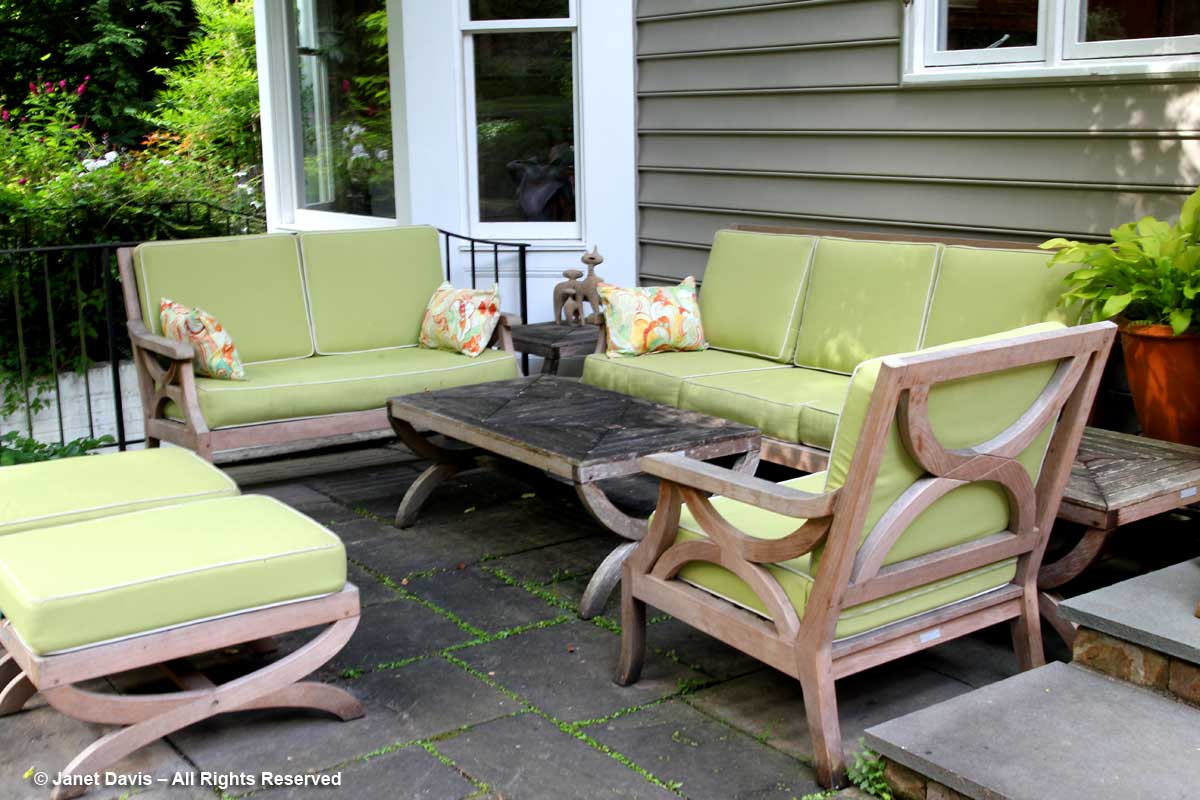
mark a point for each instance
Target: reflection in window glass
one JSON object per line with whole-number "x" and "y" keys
{"x": 986, "y": 24}
{"x": 1113, "y": 20}
{"x": 519, "y": 9}
{"x": 525, "y": 126}
{"x": 345, "y": 111}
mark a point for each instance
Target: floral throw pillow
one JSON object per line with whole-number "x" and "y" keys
{"x": 462, "y": 320}
{"x": 216, "y": 356}
{"x": 652, "y": 319}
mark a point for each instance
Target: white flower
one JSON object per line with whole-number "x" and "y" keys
{"x": 382, "y": 154}
{"x": 353, "y": 130}
{"x": 358, "y": 151}
{"x": 110, "y": 156}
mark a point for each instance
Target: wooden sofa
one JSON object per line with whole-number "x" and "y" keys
{"x": 327, "y": 324}
{"x": 946, "y": 473}
{"x": 790, "y": 313}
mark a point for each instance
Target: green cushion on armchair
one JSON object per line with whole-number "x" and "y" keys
{"x": 865, "y": 299}
{"x": 368, "y": 289}
{"x": 252, "y": 285}
{"x": 752, "y": 292}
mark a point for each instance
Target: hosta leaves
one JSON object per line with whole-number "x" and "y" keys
{"x": 1181, "y": 320}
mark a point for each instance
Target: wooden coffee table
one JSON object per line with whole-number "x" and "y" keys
{"x": 554, "y": 341}
{"x": 569, "y": 429}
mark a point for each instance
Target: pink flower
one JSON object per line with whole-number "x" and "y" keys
{"x": 87, "y": 78}
{"x": 33, "y": 88}
{"x": 22, "y": 181}
{"x": 4, "y": 115}
{"x": 81, "y": 88}
{"x": 62, "y": 84}
{"x": 345, "y": 86}
{"x": 75, "y": 126}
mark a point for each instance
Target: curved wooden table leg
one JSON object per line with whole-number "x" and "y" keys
{"x": 419, "y": 492}
{"x": 599, "y": 506}
{"x": 747, "y": 463}
{"x": 604, "y": 580}
{"x": 16, "y": 694}
{"x": 1080, "y": 557}
{"x": 1048, "y": 607}
{"x": 9, "y": 668}
{"x": 248, "y": 691}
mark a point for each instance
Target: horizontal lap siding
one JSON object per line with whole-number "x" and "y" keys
{"x": 790, "y": 113}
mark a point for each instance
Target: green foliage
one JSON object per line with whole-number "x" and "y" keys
{"x": 117, "y": 42}
{"x": 1148, "y": 274}
{"x": 18, "y": 449}
{"x": 210, "y": 97}
{"x": 866, "y": 772}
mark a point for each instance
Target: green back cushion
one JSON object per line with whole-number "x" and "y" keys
{"x": 982, "y": 291}
{"x": 865, "y": 299}
{"x": 369, "y": 289}
{"x": 251, "y": 284}
{"x": 963, "y": 413}
{"x": 752, "y": 292}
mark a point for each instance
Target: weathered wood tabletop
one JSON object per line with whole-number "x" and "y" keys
{"x": 554, "y": 341}
{"x": 1117, "y": 479}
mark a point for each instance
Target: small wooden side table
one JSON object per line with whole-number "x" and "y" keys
{"x": 1117, "y": 479}
{"x": 554, "y": 341}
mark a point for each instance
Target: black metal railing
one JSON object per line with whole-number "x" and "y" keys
{"x": 62, "y": 315}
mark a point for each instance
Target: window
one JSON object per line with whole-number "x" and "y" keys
{"x": 994, "y": 39}
{"x": 521, "y": 107}
{"x": 343, "y": 108}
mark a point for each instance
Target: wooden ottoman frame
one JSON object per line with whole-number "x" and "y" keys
{"x": 147, "y": 718}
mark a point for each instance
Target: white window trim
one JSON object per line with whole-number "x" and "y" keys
{"x": 523, "y": 231}
{"x": 1059, "y": 56}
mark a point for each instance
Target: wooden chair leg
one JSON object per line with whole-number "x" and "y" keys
{"x": 9, "y": 668}
{"x": 633, "y": 634}
{"x": 150, "y": 718}
{"x": 1027, "y": 633}
{"x": 15, "y": 694}
{"x": 820, "y": 707}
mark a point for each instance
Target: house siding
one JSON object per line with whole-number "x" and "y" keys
{"x": 791, "y": 113}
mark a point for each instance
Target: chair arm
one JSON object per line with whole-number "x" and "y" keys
{"x": 161, "y": 345}
{"x": 510, "y": 319}
{"x": 745, "y": 488}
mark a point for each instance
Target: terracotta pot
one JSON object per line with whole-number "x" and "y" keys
{"x": 1164, "y": 377}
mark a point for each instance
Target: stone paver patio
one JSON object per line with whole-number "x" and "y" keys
{"x": 480, "y": 680}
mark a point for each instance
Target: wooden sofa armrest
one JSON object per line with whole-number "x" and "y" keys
{"x": 160, "y": 345}
{"x": 502, "y": 336}
{"x": 745, "y": 488}
{"x": 601, "y": 336}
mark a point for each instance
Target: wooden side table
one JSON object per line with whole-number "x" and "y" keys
{"x": 1117, "y": 479}
{"x": 554, "y": 342}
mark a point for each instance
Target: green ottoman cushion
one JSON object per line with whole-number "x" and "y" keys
{"x": 323, "y": 385}
{"x": 77, "y": 489}
{"x": 981, "y": 291}
{"x": 368, "y": 289}
{"x": 657, "y": 377}
{"x": 796, "y": 405}
{"x": 752, "y": 291}
{"x": 141, "y": 572}
{"x": 252, "y": 285}
{"x": 865, "y": 299}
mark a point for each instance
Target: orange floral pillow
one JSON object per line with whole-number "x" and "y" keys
{"x": 215, "y": 354}
{"x": 462, "y": 320}
{"x": 652, "y": 319}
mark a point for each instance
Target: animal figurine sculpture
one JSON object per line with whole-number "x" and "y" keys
{"x": 573, "y": 310}
{"x": 590, "y": 288}
{"x": 570, "y": 289}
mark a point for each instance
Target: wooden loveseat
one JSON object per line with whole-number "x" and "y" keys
{"x": 327, "y": 324}
{"x": 789, "y": 314}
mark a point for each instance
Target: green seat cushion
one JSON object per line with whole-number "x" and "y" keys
{"x": 981, "y": 291}
{"x": 793, "y": 404}
{"x": 368, "y": 289}
{"x": 322, "y": 385}
{"x": 141, "y": 572}
{"x": 752, "y": 292}
{"x": 77, "y": 489}
{"x": 657, "y": 377}
{"x": 252, "y": 285}
{"x": 865, "y": 299}
{"x": 796, "y": 576}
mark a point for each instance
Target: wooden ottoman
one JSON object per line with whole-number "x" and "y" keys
{"x": 94, "y": 598}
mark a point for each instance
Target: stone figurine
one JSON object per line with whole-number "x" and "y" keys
{"x": 570, "y": 289}
{"x": 590, "y": 288}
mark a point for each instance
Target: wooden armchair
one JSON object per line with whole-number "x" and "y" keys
{"x": 945, "y": 475}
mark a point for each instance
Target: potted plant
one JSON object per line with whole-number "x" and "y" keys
{"x": 1148, "y": 278}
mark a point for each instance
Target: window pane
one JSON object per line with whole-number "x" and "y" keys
{"x": 525, "y": 126}
{"x": 345, "y": 111}
{"x": 1112, "y": 20}
{"x": 519, "y": 9}
{"x": 984, "y": 24}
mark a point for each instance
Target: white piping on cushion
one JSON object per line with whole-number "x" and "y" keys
{"x": 937, "y": 276}
{"x": 797, "y": 304}
{"x": 620, "y": 363}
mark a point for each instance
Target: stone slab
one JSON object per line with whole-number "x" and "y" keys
{"x": 527, "y": 756}
{"x": 482, "y": 600}
{"x": 567, "y": 671}
{"x": 1059, "y": 732}
{"x": 412, "y": 773}
{"x": 1157, "y": 610}
{"x": 708, "y": 759}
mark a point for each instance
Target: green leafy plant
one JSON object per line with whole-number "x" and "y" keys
{"x": 18, "y": 449}
{"x": 1148, "y": 274}
{"x": 866, "y": 772}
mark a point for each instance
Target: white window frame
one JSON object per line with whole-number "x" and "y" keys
{"x": 1059, "y": 54}
{"x": 561, "y": 231}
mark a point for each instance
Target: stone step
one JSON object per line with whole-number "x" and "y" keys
{"x": 1060, "y": 732}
